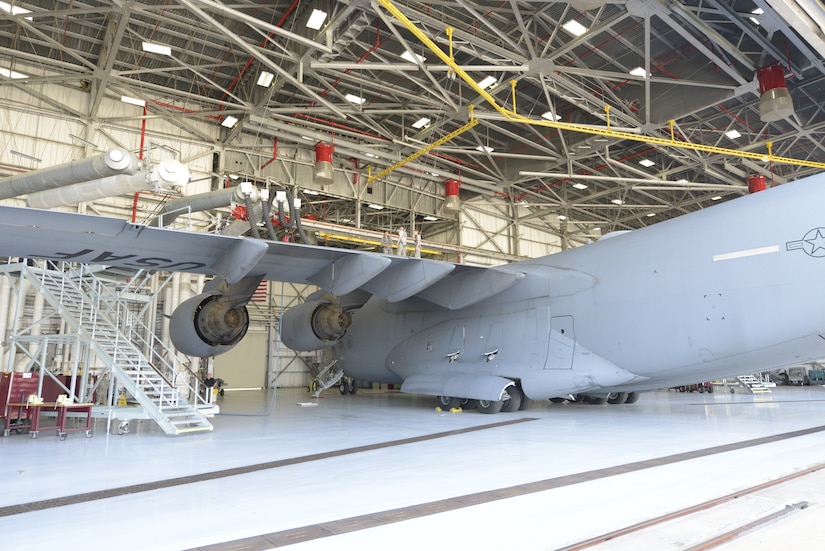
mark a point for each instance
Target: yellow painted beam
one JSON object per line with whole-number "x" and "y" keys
{"x": 421, "y": 152}
{"x": 370, "y": 242}
{"x": 515, "y": 117}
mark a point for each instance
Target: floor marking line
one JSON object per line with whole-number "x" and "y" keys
{"x": 201, "y": 477}
{"x": 373, "y": 520}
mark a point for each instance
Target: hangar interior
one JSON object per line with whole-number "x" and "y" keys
{"x": 500, "y": 130}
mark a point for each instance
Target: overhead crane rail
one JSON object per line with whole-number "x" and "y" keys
{"x": 512, "y": 116}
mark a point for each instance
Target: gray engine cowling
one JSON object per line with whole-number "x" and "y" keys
{"x": 314, "y": 325}
{"x": 206, "y": 325}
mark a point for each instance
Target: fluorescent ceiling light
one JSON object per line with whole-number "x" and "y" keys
{"x": 8, "y": 73}
{"x": 733, "y": 134}
{"x": 646, "y": 162}
{"x": 549, "y": 115}
{"x": 755, "y": 21}
{"x": 485, "y": 149}
{"x": 579, "y": 185}
{"x": 133, "y": 101}
{"x": 681, "y": 181}
{"x": 758, "y": 11}
{"x": 229, "y": 121}
{"x": 316, "y": 19}
{"x": 421, "y": 123}
{"x": 411, "y": 57}
{"x": 373, "y": 155}
{"x": 617, "y": 201}
{"x": 310, "y": 192}
{"x": 157, "y": 48}
{"x": 429, "y": 218}
{"x": 376, "y": 207}
{"x": 358, "y": 100}
{"x": 265, "y": 79}
{"x": 651, "y": 214}
{"x": 486, "y": 82}
{"x": 574, "y": 27}
{"x": 716, "y": 198}
{"x": 639, "y": 72}
{"x": 14, "y": 10}
{"x": 561, "y": 217}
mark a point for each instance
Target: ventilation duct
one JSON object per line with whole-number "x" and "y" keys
{"x": 322, "y": 173}
{"x": 165, "y": 175}
{"x": 775, "y": 102}
{"x": 111, "y": 163}
{"x": 452, "y": 204}
{"x": 756, "y": 183}
{"x": 205, "y": 201}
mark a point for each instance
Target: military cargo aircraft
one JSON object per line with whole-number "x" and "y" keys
{"x": 731, "y": 289}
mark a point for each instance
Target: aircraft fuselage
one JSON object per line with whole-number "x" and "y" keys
{"x": 725, "y": 291}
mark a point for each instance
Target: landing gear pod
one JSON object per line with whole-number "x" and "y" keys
{"x": 206, "y": 325}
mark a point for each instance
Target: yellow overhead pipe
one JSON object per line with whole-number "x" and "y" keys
{"x": 427, "y": 149}
{"x": 515, "y": 117}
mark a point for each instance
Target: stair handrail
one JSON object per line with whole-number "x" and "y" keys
{"x": 162, "y": 358}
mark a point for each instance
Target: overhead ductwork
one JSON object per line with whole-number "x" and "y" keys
{"x": 165, "y": 175}
{"x": 452, "y": 204}
{"x": 775, "y": 101}
{"x": 756, "y": 183}
{"x": 205, "y": 201}
{"x": 111, "y": 163}
{"x": 322, "y": 172}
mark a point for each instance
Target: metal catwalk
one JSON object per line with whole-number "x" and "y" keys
{"x": 381, "y": 469}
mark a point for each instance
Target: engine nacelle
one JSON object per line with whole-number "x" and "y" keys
{"x": 313, "y": 325}
{"x": 206, "y": 325}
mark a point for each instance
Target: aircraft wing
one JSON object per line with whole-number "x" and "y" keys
{"x": 34, "y": 233}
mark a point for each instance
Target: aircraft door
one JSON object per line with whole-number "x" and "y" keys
{"x": 561, "y": 343}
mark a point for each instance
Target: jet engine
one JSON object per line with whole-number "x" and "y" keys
{"x": 207, "y": 325}
{"x": 313, "y": 325}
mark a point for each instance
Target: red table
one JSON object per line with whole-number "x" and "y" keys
{"x": 32, "y": 412}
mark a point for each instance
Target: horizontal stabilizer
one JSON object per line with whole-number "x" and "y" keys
{"x": 459, "y": 385}
{"x": 404, "y": 279}
{"x": 468, "y": 287}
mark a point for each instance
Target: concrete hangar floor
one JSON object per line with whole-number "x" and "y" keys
{"x": 384, "y": 470}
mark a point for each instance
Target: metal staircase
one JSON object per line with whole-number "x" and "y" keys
{"x": 753, "y": 384}
{"x": 140, "y": 362}
{"x": 327, "y": 377}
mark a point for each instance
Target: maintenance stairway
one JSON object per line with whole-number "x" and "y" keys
{"x": 753, "y": 384}
{"x": 101, "y": 320}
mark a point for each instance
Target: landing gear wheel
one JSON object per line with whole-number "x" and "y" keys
{"x": 352, "y": 388}
{"x": 513, "y": 403}
{"x": 490, "y": 406}
{"x": 617, "y": 398}
{"x": 595, "y": 400}
{"x": 448, "y": 402}
{"x": 342, "y": 388}
{"x": 632, "y": 398}
{"x": 558, "y": 400}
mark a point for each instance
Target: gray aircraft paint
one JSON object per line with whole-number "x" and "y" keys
{"x": 732, "y": 289}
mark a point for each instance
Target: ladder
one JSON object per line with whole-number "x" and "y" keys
{"x": 327, "y": 377}
{"x": 101, "y": 321}
{"x": 753, "y": 384}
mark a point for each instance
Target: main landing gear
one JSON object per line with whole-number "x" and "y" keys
{"x": 513, "y": 401}
{"x": 598, "y": 399}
